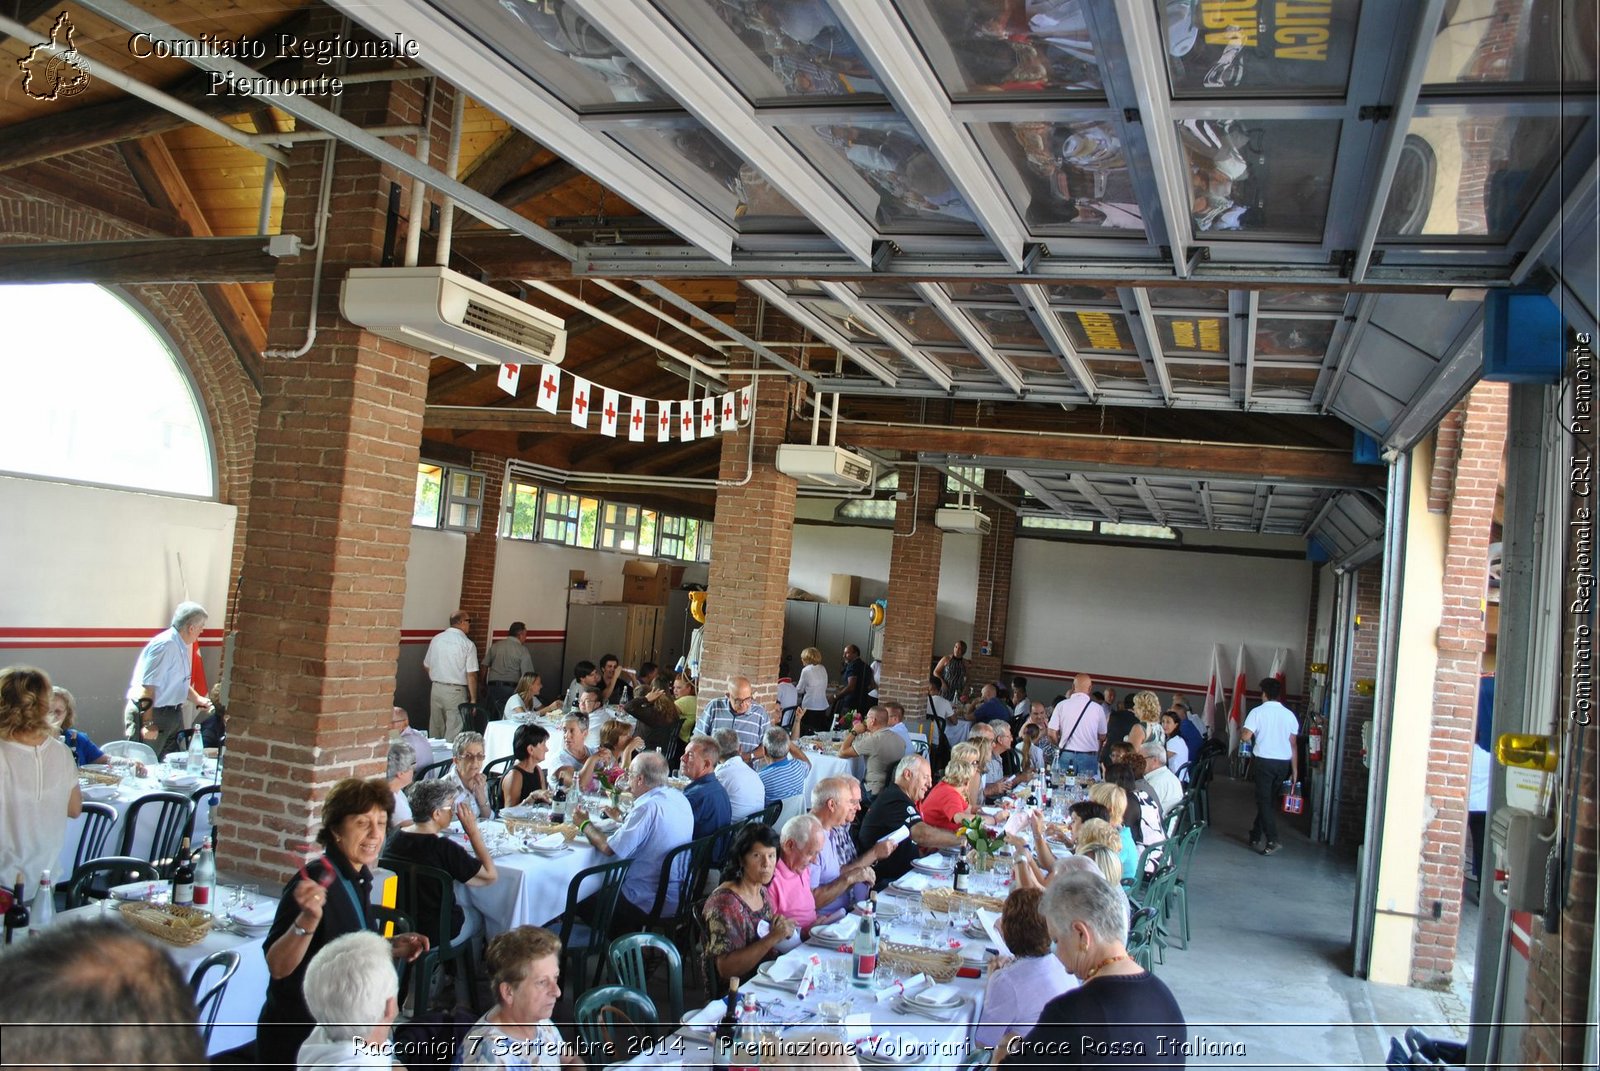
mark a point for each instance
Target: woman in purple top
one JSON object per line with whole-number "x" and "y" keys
{"x": 1022, "y": 983}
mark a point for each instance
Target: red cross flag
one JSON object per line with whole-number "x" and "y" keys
{"x": 509, "y": 374}
{"x": 746, "y": 398}
{"x": 729, "y": 412}
{"x": 637, "y": 421}
{"x": 708, "y": 416}
{"x": 609, "y": 413}
{"x": 686, "y": 420}
{"x": 580, "y": 402}
{"x": 663, "y": 422}
{"x": 549, "y": 389}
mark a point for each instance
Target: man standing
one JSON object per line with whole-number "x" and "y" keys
{"x": 894, "y": 814}
{"x": 1274, "y": 732}
{"x": 452, "y": 666}
{"x": 162, "y": 678}
{"x": 660, "y": 821}
{"x": 503, "y": 666}
{"x": 1078, "y": 727}
{"x": 853, "y": 695}
{"x": 872, "y": 740}
{"x": 738, "y": 711}
{"x": 707, "y": 798}
{"x": 839, "y": 868}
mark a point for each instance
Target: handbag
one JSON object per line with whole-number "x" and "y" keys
{"x": 1293, "y": 801}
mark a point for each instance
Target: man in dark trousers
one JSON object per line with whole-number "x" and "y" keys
{"x": 854, "y": 694}
{"x": 1274, "y": 735}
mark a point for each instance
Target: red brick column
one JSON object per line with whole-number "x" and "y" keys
{"x": 477, "y": 571}
{"x": 1352, "y": 801}
{"x": 328, "y": 533}
{"x": 913, "y": 589}
{"x": 751, "y": 540}
{"x": 1455, "y": 689}
{"x": 992, "y": 608}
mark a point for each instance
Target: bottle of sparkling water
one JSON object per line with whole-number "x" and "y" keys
{"x": 864, "y": 953}
{"x": 44, "y": 905}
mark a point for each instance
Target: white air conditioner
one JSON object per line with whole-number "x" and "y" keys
{"x": 447, "y": 313}
{"x": 825, "y": 466}
{"x": 962, "y": 519}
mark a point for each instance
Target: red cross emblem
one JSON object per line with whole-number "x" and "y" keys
{"x": 638, "y": 420}
{"x": 688, "y": 421}
{"x": 580, "y": 403}
{"x": 549, "y": 385}
{"x": 744, "y": 405}
{"x": 611, "y": 414}
{"x": 727, "y": 411}
{"x": 705, "y": 418}
{"x": 663, "y": 420}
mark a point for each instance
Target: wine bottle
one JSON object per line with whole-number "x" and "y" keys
{"x": 183, "y": 877}
{"x": 17, "y": 915}
{"x": 864, "y": 953}
{"x": 728, "y": 1027}
{"x": 959, "y": 881}
{"x": 205, "y": 877}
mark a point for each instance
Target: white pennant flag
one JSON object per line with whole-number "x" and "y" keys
{"x": 663, "y": 422}
{"x": 509, "y": 375}
{"x": 686, "y": 420}
{"x": 708, "y": 416}
{"x": 636, "y": 421}
{"x": 746, "y": 398}
{"x": 730, "y": 415}
{"x": 549, "y": 389}
{"x": 609, "y": 413}
{"x": 580, "y": 402}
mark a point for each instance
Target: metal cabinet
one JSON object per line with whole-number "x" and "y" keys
{"x": 631, "y": 632}
{"x": 826, "y": 627}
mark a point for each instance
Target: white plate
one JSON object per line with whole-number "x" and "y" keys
{"x": 887, "y": 909}
{"x": 916, "y": 1000}
{"x": 98, "y": 793}
{"x": 934, "y": 864}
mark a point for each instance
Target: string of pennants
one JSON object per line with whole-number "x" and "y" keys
{"x": 637, "y": 418}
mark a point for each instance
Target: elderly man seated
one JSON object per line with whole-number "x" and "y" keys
{"x": 785, "y": 776}
{"x": 871, "y": 739}
{"x": 746, "y": 793}
{"x": 402, "y": 767}
{"x": 840, "y": 875}
{"x": 466, "y": 775}
{"x": 1163, "y": 782}
{"x": 400, "y": 728}
{"x": 353, "y": 992}
{"x": 706, "y": 796}
{"x": 790, "y": 890}
{"x": 893, "y": 816}
{"x": 660, "y": 821}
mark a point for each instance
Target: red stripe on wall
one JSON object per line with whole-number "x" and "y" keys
{"x": 409, "y": 636}
{"x": 17, "y": 638}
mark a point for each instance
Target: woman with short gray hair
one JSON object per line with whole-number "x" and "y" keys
{"x": 1122, "y": 1015}
{"x": 433, "y": 805}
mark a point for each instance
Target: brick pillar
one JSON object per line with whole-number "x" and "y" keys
{"x": 477, "y": 571}
{"x": 1478, "y": 454}
{"x": 751, "y": 540}
{"x": 992, "y": 609}
{"x": 328, "y": 531}
{"x": 1352, "y": 801}
{"x": 913, "y": 589}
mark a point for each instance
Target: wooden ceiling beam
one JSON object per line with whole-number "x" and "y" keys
{"x": 446, "y": 418}
{"x": 536, "y": 183}
{"x": 501, "y": 162}
{"x": 140, "y": 260}
{"x": 25, "y": 11}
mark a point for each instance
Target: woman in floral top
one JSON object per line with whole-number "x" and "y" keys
{"x": 742, "y": 930}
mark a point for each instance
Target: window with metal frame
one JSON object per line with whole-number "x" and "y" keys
{"x": 447, "y": 498}
{"x": 569, "y": 519}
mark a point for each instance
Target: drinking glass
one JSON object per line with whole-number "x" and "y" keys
{"x": 248, "y": 895}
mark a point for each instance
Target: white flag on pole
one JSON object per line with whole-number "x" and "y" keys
{"x": 1215, "y": 682}
{"x": 1236, "y": 707}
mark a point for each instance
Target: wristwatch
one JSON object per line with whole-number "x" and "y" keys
{"x": 299, "y": 931}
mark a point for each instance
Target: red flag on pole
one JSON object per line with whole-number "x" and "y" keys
{"x": 1236, "y": 707}
{"x": 1280, "y": 661}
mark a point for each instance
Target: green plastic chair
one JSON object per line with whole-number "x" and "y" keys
{"x": 627, "y": 958}
{"x": 1141, "y": 936}
{"x": 413, "y": 878}
{"x": 584, "y": 931}
{"x": 1156, "y": 892}
{"x": 1180, "y": 885}
{"x": 604, "y": 1012}
{"x": 975, "y": 1059}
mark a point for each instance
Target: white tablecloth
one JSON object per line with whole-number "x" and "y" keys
{"x": 241, "y": 1001}
{"x": 130, "y": 790}
{"x": 531, "y": 889}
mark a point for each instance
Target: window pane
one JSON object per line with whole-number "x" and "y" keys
{"x": 888, "y": 174}
{"x": 1260, "y": 175}
{"x": 1293, "y": 338}
{"x": 1137, "y": 531}
{"x": 524, "y": 511}
{"x": 777, "y": 52}
{"x": 588, "y": 520}
{"x": 921, "y": 323}
{"x": 1107, "y": 331}
{"x": 1185, "y": 334}
{"x": 979, "y": 49}
{"x": 425, "y": 506}
{"x": 1007, "y": 327}
{"x": 1233, "y": 48}
{"x": 866, "y": 509}
{"x": 1068, "y": 176}
{"x": 713, "y": 174}
{"x": 1513, "y": 42}
{"x": 647, "y": 531}
{"x": 1058, "y": 524}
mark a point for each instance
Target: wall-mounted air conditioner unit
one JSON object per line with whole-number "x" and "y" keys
{"x": 447, "y": 313}
{"x": 962, "y": 519}
{"x": 825, "y": 466}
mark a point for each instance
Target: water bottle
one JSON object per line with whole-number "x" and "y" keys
{"x": 197, "y": 752}
{"x": 44, "y": 905}
{"x": 1246, "y": 749}
{"x": 205, "y": 878}
{"x": 864, "y": 952}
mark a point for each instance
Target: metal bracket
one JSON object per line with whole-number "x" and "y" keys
{"x": 1130, "y": 115}
{"x": 1375, "y": 113}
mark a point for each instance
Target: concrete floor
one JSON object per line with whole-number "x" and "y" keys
{"x": 1269, "y": 966}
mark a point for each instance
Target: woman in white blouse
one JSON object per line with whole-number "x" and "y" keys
{"x": 813, "y": 691}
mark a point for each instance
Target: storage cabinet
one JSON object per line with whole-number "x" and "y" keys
{"x": 633, "y": 633}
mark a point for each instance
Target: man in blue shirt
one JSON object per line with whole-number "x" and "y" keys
{"x": 162, "y": 681}
{"x": 993, "y": 708}
{"x": 785, "y": 776}
{"x": 660, "y": 821}
{"x": 707, "y": 798}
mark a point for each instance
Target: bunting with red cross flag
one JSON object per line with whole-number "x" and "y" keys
{"x": 708, "y": 416}
{"x": 636, "y": 420}
{"x": 729, "y": 412}
{"x": 686, "y": 420}
{"x": 549, "y": 389}
{"x": 609, "y": 412}
{"x": 663, "y": 422}
{"x": 509, "y": 375}
{"x": 746, "y": 399}
{"x": 580, "y": 402}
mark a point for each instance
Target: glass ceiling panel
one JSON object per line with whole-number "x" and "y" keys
{"x": 775, "y": 52}
{"x": 958, "y": 360}
{"x": 1105, "y": 331}
{"x": 1308, "y": 339}
{"x": 1265, "y": 176}
{"x": 889, "y": 175}
{"x": 1037, "y": 364}
{"x": 713, "y": 174}
{"x": 980, "y": 49}
{"x": 920, "y": 323}
{"x": 570, "y": 57}
{"x": 1109, "y": 374}
{"x": 1066, "y": 176}
{"x": 1006, "y": 327}
{"x": 1206, "y": 378}
{"x": 839, "y": 317}
{"x": 1276, "y": 48}
{"x": 980, "y": 291}
{"x": 893, "y": 360}
{"x": 1295, "y": 380}
{"x": 1188, "y": 297}
{"x": 1531, "y": 43}
{"x": 1081, "y": 294}
{"x": 1186, "y": 334}
{"x": 1470, "y": 177}
{"x": 1330, "y": 300}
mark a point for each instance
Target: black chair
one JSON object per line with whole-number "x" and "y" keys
{"x": 586, "y": 930}
{"x": 208, "y": 997}
{"x": 474, "y": 717}
{"x": 174, "y": 813}
{"x": 697, "y": 858}
{"x": 770, "y": 813}
{"x": 439, "y": 930}
{"x": 181, "y": 738}
{"x": 492, "y": 774}
{"x": 98, "y": 818}
{"x": 203, "y": 797}
{"x": 95, "y": 878}
{"x": 435, "y": 769}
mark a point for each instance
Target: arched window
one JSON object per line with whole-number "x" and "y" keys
{"x": 94, "y": 393}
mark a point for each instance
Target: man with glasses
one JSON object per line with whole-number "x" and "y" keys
{"x": 452, "y": 666}
{"x": 466, "y": 775}
{"x": 661, "y": 820}
{"x": 738, "y": 711}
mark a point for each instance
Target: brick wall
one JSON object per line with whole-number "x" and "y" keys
{"x": 1352, "y": 802}
{"x": 477, "y": 571}
{"x": 913, "y": 589}
{"x": 1446, "y": 450}
{"x": 1478, "y": 450}
{"x": 992, "y": 608}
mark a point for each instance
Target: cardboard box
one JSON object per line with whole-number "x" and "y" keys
{"x": 645, "y": 583}
{"x": 844, "y": 589}
{"x": 581, "y": 591}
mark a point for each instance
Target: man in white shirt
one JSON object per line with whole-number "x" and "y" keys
{"x": 452, "y": 666}
{"x": 1078, "y": 728}
{"x": 746, "y": 792}
{"x": 1162, "y": 781}
{"x": 1273, "y": 732}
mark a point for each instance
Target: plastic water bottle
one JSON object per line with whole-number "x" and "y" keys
{"x": 197, "y": 752}
{"x": 44, "y": 905}
{"x": 205, "y": 878}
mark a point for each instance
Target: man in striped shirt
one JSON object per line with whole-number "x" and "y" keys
{"x": 785, "y": 775}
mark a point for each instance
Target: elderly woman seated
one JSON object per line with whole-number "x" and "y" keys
{"x": 790, "y": 891}
{"x": 353, "y": 992}
{"x": 523, "y": 965}
{"x": 1122, "y": 1013}
{"x": 742, "y": 928}
{"x": 64, "y": 711}
{"x": 1021, "y": 983}
{"x": 433, "y": 805}
{"x": 466, "y": 775}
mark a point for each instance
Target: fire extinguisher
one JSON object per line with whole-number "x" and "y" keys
{"x": 1314, "y": 741}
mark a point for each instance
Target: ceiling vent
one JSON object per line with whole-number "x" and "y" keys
{"x": 967, "y": 519}
{"x": 449, "y": 314}
{"x": 825, "y": 466}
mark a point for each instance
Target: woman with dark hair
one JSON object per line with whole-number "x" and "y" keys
{"x": 328, "y": 898}
{"x": 1022, "y": 983}
{"x": 526, "y": 780}
{"x": 742, "y": 929}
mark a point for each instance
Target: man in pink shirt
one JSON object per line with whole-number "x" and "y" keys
{"x": 790, "y": 890}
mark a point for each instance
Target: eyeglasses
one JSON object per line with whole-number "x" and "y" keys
{"x": 740, "y": 700}
{"x": 472, "y": 756}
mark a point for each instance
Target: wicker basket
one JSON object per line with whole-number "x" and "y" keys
{"x": 950, "y": 900}
{"x": 913, "y": 959}
{"x": 97, "y": 778}
{"x": 521, "y": 826}
{"x": 173, "y": 923}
